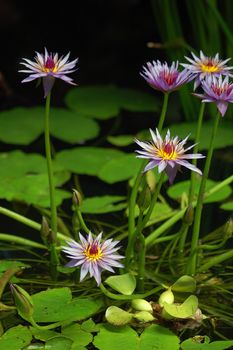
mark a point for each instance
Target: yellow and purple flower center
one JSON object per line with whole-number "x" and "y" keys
{"x": 210, "y": 67}
{"x": 167, "y": 152}
{"x": 50, "y": 65}
{"x": 93, "y": 251}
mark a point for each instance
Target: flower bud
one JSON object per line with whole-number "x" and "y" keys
{"x": 228, "y": 229}
{"x": 144, "y": 199}
{"x": 143, "y": 316}
{"x": 118, "y": 317}
{"x": 166, "y": 297}
{"x": 23, "y": 302}
{"x": 188, "y": 216}
{"x": 141, "y": 305}
{"x": 77, "y": 198}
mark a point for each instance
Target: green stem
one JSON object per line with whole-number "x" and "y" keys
{"x": 216, "y": 260}
{"x": 134, "y": 192}
{"x": 141, "y": 263}
{"x": 49, "y": 326}
{"x": 195, "y": 150}
{"x": 163, "y": 112}
{"x": 182, "y": 239}
{"x": 128, "y": 297}
{"x": 192, "y": 261}
{"x": 53, "y": 252}
{"x": 28, "y": 222}
{"x": 81, "y": 220}
{"x": 19, "y": 240}
{"x": 152, "y": 238}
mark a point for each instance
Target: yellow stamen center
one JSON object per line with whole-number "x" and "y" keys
{"x": 209, "y": 67}
{"x": 93, "y": 252}
{"x": 167, "y": 152}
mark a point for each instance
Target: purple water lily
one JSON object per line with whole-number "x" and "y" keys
{"x": 49, "y": 66}
{"x": 219, "y": 91}
{"x": 93, "y": 256}
{"x": 164, "y": 78}
{"x": 205, "y": 66}
{"x": 168, "y": 154}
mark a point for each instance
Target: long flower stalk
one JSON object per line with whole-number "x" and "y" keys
{"x": 134, "y": 192}
{"x": 192, "y": 261}
{"x": 53, "y": 252}
{"x": 195, "y": 150}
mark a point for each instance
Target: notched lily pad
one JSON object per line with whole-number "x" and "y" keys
{"x": 124, "y": 284}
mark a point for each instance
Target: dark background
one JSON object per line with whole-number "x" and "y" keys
{"x": 109, "y": 37}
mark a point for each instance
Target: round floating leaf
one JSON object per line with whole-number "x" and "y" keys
{"x": 104, "y": 204}
{"x": 70, "y": 127}
{"x": 75, "y": 333}
{"x": 117, "y": 316}
{"x": 202, "y": 343}
{"x": 121, "y": 140}
{"x": 58, "y": 343}
{"x": 48, "y": 304}
{"x": 94, "y": 101}
{"x": 227, "y": 206}
{"x": 137, "y": 101}
{"x": 124, "y": 284}
{"x": 15, "y": 338}
{"x": 120, "y": 169}
{"x": 177, "y": 190}
{"x": 185, "y": 310}
{"x": 125, "y": 338}
{"x": 43, "y": 334}
{"x": 21, "y": 125}
{"x": 24, "y": 178}
{"x": 223, "y": 138}
{"x": 11, "y": 264}
{"x": 184, "y": 284}
{"x": 104, "y": 102}
{"x": 86, "y": 160}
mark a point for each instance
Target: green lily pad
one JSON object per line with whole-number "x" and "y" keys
{"x": 70, "y": 127}
{"x": 184, "y": 310}
{"x": 223, "y": 138}
{"x": 28, "y": 125}
{"x": 15, "y": 338}
{"x": 21, "y": 125}
{"x": 121, "y": 140}
{"x": 120, "y": 169}
{"x": 124, "y": 284}
{"x": 197, "y": 343}
{"x": 125, "y": 338}
{"x": 177, "y": 190}
{"x": 11, "y": 264}
{"x": 186, "y": 284}
{"x": 79, "y": 336}
{"x": 48, "y": 308}
{"x": 227, "y": 206}
{"x": 104, "y": 102}
{"x": 43, "y": 334}
{"x": 86, "y": 160}
{"x": 104, "y": 204}
{"x": 58, "y": 343}
{"x": 24, "y": 178}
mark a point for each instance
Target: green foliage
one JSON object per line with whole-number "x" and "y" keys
{"x": 103, "y": 204}
{"x": 120, "y": 140}
{"x": 65, "y": 308}
{"x": 224, "y": 137}
{"x": 227, "y": 206}
{"x": 198, "y": 343}
{"x": 124, "y": 284}
{"x": 185, "y": 284}
{"x": 11, "y": 264}
{"x": 125, "y": 338}
{"x": 119, "y": 169}
{"x": 104, "y": 102}
{"x": 15, "y": 338}
{"x": 184, "y": 310}
{"x": 177, "y": 190}
{"x": 66, "y": 125}
{"x": 86, "y": 160}
{"x": 24, "y": 178}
